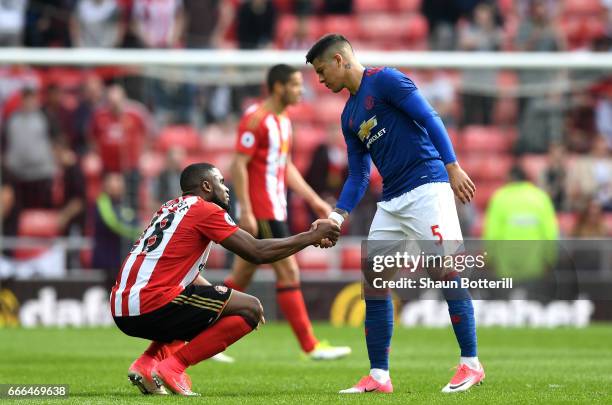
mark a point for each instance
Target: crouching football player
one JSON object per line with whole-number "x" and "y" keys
{"x": 160, "y": 295}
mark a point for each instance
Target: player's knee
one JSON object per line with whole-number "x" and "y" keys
{"x": 252, "y": 312}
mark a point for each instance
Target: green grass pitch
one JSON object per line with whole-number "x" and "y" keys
{"x": 523, "y": 366}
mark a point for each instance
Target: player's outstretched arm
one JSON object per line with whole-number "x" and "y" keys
{"x": 259, "y": 251}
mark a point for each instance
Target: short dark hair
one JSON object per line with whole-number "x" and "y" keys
{"x": 323, "y": 44}
{"x": 193, "y": 175}
{"x": 279, "y": 73}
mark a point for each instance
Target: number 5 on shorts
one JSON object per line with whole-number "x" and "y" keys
{"x": 436, "y": 232}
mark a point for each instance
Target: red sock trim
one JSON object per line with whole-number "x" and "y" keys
{"x": 213, "y": 340}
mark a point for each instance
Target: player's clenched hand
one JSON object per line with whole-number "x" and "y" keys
{"x": 248, "y": 223}
{"x": 460, "y": 182}
{"x": 326, "y": 232}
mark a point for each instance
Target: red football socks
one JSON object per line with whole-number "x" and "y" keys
{"x": 160, "y": 350}
{"x": 291, "y": 303}
{"x": 211, "y": 341}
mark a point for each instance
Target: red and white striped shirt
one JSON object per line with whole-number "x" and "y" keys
{"x": 266, "y": 137}
{"x": 169, "y": 254}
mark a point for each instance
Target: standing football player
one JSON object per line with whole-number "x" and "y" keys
{"x": 161, "y": 296}
{"x": 261, "y": 168}
{"x": 387, "y": 120}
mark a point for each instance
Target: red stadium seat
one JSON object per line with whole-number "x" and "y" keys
{"x": 36, "y": 223}
{"x": 407, "y": 6}
{"x": 285, "y": 28}
{"x": 351, "y": 258}
{"x": 372, "y": 6}
{"x": 485, "y": 139}
{"x": 347, "y": 25}
{"x": 303, "y": 112}
{"x": 283, "y": 6}
{"x": 179, "y": 135}
{"x": 151, "y": 164}
{"x": 486, "y": 167}
{"x": 417, "y": 28}
{"x": 383, "y": 27}
{"x": 583, "y": 7}
{"x": 328, "y": 109}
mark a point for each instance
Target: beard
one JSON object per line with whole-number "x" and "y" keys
{"x": 221, "y": 203}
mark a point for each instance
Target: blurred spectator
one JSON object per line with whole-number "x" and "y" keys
{"x": 337, "y": 6}
{"x": 538, "y": 32}
{"x": 553, "y": 178}
{"x": 481, "y": 34}
{"x": 590, "y": 222}
{"x": 300, "y": 39}
{"x": 520, "y": 211}
{"x": 256, "y": 21}
{"x": 8, "y": 206}
{"x": 47, "y": 23}
{"x": 167, "y": 184}
{"x": 12, "y": 22}
{"x": 13, "y": 79}
{"x": 161, "y": 24}
{"x": 91, "y": 98}
{"x": 603, "y": 115}
{"x": 158, "y": 24}
{"x": 119, "y": 133}
{"x": 442, "y": 17}
{"x": 61, "y": 118}
{"x": 542, "y": 122}
{"x": 328, "y": 167}
{"x": 206, "y": 22}
{"x": 437, "y": 87}
{"x": 72, "y": 196}
{"x": 115, "y": 227}
{"x": 97, "y": 24}
{"x": 591, "y": 176}
{"x": 29, "y": 153}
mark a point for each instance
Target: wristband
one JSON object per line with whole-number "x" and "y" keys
{"x": 339, "y": 219}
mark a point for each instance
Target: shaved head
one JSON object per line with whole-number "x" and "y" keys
{"x": 329, "y": 45}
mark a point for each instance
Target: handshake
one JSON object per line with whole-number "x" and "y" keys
{"x": 325, "y": 233}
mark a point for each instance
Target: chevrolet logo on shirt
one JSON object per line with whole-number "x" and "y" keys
{"x": 366, "y": 128}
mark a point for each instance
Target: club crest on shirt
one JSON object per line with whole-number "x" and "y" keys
{"x": 221, "y": 289}
{"x": 368, "y": 102}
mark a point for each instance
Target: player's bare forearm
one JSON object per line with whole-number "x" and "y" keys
{"x": 460, "y": 182}
{"x": 259, "y": 251}
{"x": 240, "y": 176}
